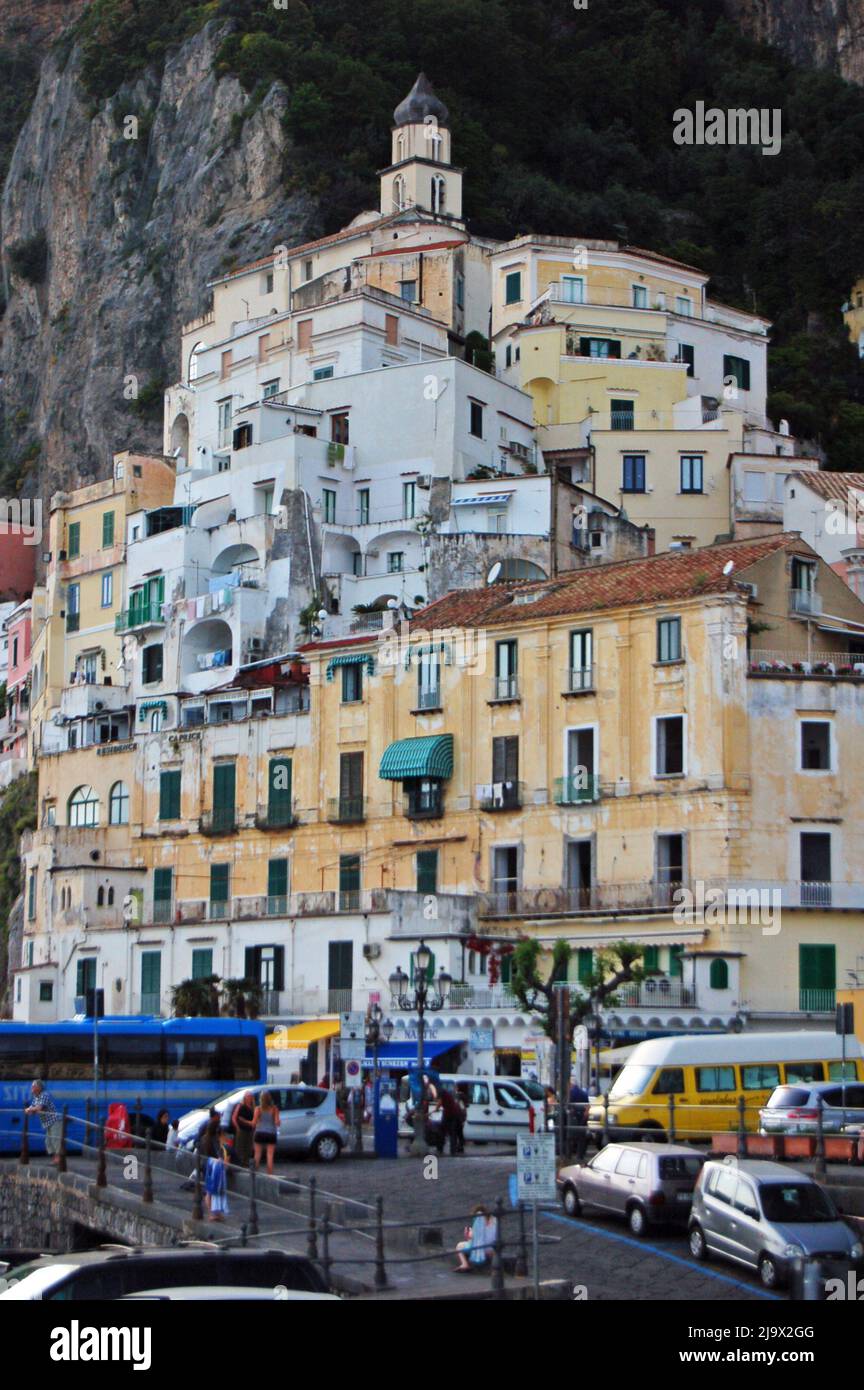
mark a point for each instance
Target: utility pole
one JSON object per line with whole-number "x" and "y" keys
{"x": 562, "y": 1035}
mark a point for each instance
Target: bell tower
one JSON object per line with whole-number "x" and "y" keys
{"x": 421, "y": 174}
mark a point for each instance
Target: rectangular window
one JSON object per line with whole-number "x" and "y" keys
{"x": 391, "y": 330}
{"x": 220, "y": 887}
{"x": 395, "y": 562}
{"x": 268, "y": 282}
{"x": 223, "y": 409}
{"x": 46, "y": 992}
{"x": 357, "y": 562}
{"x": 304, "y": 335}
{"x": 329, "y": 504}
{"x": 351, "y": 786}
{"x": 279, "y": 779}
{"x": 202, "y": 963}
{"x": 815, "y": 866}
{"x": 621, "y": 415}
{"x": 224, "y": 795}
{"x": 270, "y": 389}
{"x": 151, "y": 982}
{"x": 31, "y": 895}
{"x": 691, "y": 472}
{"x": 169, "y": 795}
{"x": 670, "y": 745}
{"x": 408, "y": 291}
{"x": 363, "y": 506}
{"x": 162, "y": 890}
{"x": 817, "y": 978}
{"x": 687, "y": 353}
{"x": 508, "y": 356}
{"x": 755, "y": 486}
{"x": 633, "y": 478}
{"x": 505, "y": 870}
{"x": 339, "y": 431}
{"x": 340, "y": 966}
{"x": 409, "y": 500}
{"x": 429, "y": 681}
{"x": 73, "y": 608}
{"x": 107, "y": 529}
{"x": 349, "y": 882}
{"x": 242, "y": 437}
{"x": 322, "y": 373}
{"x": 715, "y": 1079}
{"x": 460, "y": 291}
{"x": 151, "y": 664}
{"x": 582, "y": 660}
{"x": 738, "y": 368}
{"x": 815, "y": 745}
{"x": 573, "y": 289}
{"x": 599, "y": 347}
{"x": 73, "y": 541}
{"x": 475, "y": 421}
{"x": 670, "y": 865}
{"x": 640, "y": 297}
{"x": 668, "y": 639}
{"x": 505, "y": 770}
{"x": 307, "y": 269}
{"x": 513, "y": 287}
{"x": 226, "y": 363}
{"x": 107, "y": 590}
{"x": 506, "y": 669}
{"x": 263, "y": 347}
{"x": 427, "y": 871}
{"x": 352, "y": 683}
{"x": 683, "y": 305}
{"x": 277, "y": 885}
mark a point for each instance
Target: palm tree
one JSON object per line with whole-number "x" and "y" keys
{"x": 197, "y": 998}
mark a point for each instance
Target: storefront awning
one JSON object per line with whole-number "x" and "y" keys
{"x": 404, "y": 1054}
{"x": 301, "y": 1034}
{"x": 418, "y": 757}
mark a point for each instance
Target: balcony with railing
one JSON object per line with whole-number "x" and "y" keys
{"x": 276, "y": 817}
{"x": 817, "y": 666}
{"x": 501, "y": 796}
{"x": 621, "y": 420}
{"x": 601, "y": 897}
{"x": 580, "y": 679}
{"x": 222, "y": 820}
{"x": 346, "y": 810}
{"x": 805, "y": 603}
{"x": 662, "y": 992}
{"x": 504, "y": 688}
{"x": 428, "y": 700}
{"x": 142, "y": 615}
{"x": 424, "y": 802}
{"x": 577, "y": 788}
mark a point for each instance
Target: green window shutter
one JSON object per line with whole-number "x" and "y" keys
{"x": 349, "y": 873}
{"x": 719, "y": 975}
{"x": 202, "y": 963}
{"x": 506, "y": 969}
{"x": 430, "y": 973}
{"x": 169, "y": 796}
{"x": 277, "y": 878}
{"x": 513, "y": 287}
{"x": 427, "y": 871}
{"x": 151, "y": 972}
{"x": 74, "y": 540}
{"x": 224, "y": 787}
{"x": 586, "y": 965}
{"x": 85, "y": 975}
{"x": 220, "y": 877}
{"x": 675, "y": 962}
{"x": 279, "y": 789}
{"x": 31, "y": 895}
{"x": 107, "y": 529}
{"x": 162, "y": 885}
{"x": 651, "y": 958}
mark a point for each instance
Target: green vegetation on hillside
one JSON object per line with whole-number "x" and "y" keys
{"x": 563, "y": 123}
{"x": 17, "y": 814}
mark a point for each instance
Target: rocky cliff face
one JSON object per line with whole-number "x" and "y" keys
{"x": 814, "y": 33}
{"x": 133, "y": 229}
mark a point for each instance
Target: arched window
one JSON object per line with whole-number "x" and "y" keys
{"x": 110, "y": 897}
{"x": 719, "y": 977}
{"x": 100, "y": 896}
{"x": 155, "y": 721}
{"x": 400, "y": 147}
{"x": 398, "y": 193}
{"x": 83, "y": 807}
{"x": 118, "y": 804}
{"x": 193, "y": 360}
{"x": 439, "y": 193}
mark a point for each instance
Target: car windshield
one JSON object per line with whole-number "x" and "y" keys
{"x": 680, "y": 1166}
{"x": 796, "y": 1202}
{"x": 630, "y": 1081}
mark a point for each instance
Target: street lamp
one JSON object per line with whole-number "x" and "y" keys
{"x": 425, "y": 996}
{"x": 377, "y": 1027}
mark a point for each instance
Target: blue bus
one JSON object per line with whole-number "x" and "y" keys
{"x": 174, "y": 1064}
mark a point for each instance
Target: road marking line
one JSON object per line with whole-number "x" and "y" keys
{"x": 664, "y": 1255}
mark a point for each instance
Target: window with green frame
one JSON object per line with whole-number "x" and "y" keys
{"x": 169, "y": 795}
{"x": 31, "y": 895}
{"x": 107, "y": 529}
{"x": 162, "y": 885}
{"x": 675, "y": 967}
{"x": 202, "y": 963}
{"x": 651, "y": 958}
{"x": 427, "y": 871}
{"x": 279, "y": 781}
{"x": 719, "y": 974}
{"x": 584, "y": 965}
{"x": 220, "y": 882}
{"x": 73, "y": 540}
{"x": 224, "y": 795}
{"x": 277, "y": 885}
{"x": 513, "y": 287}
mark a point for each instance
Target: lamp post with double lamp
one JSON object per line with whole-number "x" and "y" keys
{"x": 426, "y": 996}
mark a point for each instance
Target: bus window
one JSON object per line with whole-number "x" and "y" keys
{"x": 670, "y": 1082}
{"x": 796, "y": 1072}
{"x": 238, "y": 1059}
{"x": 836, "y": 1073}
{"x": 22, "y": 1056}
{"x": 192, "y": 1059}
{"x": 131, "y": 1058}
{"x": 760, "y": 1078}
{"x": 69, "y": 1056}
{"x": 715, "y": 1079}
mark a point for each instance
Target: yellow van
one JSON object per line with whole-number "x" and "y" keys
{"x": 702, "y": 1078}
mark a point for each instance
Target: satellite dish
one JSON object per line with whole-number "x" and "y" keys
{"x": 494, "y": 572}
{"x": 322, "y": 615}
{"x": 729, "y": 567}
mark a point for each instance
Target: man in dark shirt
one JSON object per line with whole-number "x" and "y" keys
{"x": 579, "y": 1119}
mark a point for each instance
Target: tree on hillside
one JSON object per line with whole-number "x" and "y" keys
{"x": 617, "y": 965}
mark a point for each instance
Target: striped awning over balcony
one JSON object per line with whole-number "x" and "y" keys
{"x": 418, "y": 757}
{"x": 351, "y": 659}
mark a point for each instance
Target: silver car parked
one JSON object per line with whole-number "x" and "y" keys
{"x": 308, "y": 1122}
{"x": 649, "y": 1184}
{"x": 765, "y": 1216}
{"x": 795, "y": 1109}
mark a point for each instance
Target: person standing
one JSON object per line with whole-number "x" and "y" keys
{"x": 579, "y": 1115}
{"x": 244, "y": 1129}
{"x": 213, "y": 1152}
{"x": 452, "y": 1121}
{"x": 265, "y": 1127}
{"x": 42, "y": 1104}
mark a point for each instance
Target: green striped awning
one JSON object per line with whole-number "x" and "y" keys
{"x": 429, "y": 649}
{"x": 152, "y": 704}
{"x": 418, "y": 757}
{"x": 351, "y": 659}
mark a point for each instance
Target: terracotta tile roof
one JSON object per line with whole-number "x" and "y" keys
{"x": 655, "y": 579}
{"x": 346, "y": 234}
{"x": 836, "y": 486}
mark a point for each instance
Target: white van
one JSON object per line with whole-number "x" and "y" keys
{"x": 497, "y": 1106}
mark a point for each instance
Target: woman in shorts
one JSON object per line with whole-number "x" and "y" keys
{"x": 265, "y": 1127}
